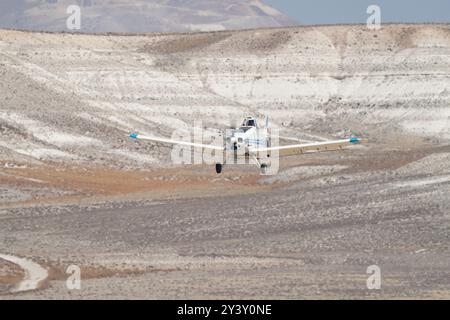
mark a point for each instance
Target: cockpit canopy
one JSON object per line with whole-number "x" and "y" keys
{"x": 249, "y": 122}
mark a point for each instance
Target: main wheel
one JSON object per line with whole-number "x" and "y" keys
{"x": 264, "y": 169}
{"x": 218, "y": 168}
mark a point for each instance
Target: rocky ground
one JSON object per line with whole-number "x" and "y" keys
{"x": 312, "y": 237}
{"x": 75, "y": 191}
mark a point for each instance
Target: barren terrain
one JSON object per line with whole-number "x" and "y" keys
{"x": 74, "y": 190}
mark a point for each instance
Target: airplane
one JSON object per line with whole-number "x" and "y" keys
{"x": 253, "y": 143}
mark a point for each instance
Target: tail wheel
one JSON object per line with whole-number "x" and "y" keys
{"x": 219, "y": 167}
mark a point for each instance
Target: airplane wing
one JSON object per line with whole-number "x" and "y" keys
{"x": 170, "y": 141}
{"x": 308, "y": 147}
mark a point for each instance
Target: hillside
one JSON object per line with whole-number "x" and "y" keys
{"x": 74, "y": 98}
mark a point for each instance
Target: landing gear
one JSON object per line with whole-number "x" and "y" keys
{"x": 264, "y": 169}
{"x": 219, "y": 167}
{"x": 262, "y": 166}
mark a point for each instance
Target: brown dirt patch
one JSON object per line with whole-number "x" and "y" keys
{"x": 101, "y": 182}
{"x": 57, "y": 271}
{"x": 10, "y": 273}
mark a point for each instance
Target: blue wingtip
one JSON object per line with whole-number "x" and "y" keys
{"x": 133, "y": 136}
{"x": 354, "y": 140}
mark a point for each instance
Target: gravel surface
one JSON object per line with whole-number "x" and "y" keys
{"x": 312, "y": 238}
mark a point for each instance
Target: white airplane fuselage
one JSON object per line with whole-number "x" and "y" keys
{"x": 240, "y": 141}
{"x": 245, "y": 138}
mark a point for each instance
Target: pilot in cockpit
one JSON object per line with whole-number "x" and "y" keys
{"x": 249, "y": 122}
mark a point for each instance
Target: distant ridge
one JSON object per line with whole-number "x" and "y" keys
{"x": 142, "y": 15}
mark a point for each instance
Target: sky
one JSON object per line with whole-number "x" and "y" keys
{"x": 354, "y": 11}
